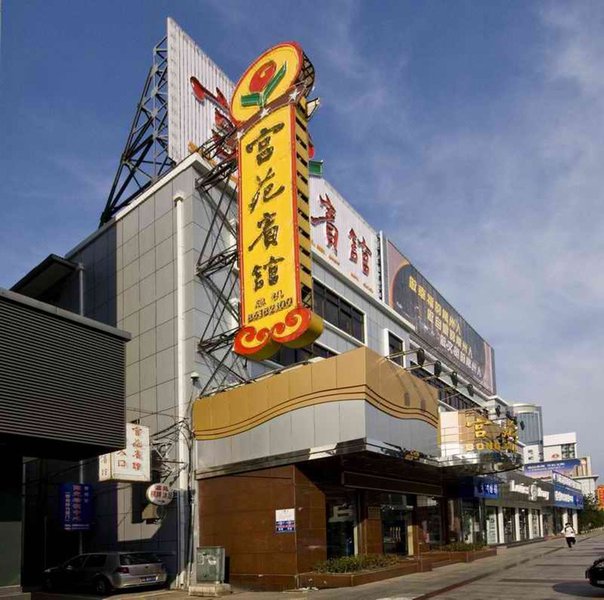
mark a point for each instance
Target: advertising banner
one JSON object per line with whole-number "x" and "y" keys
{"x": 133, "y": 463}
{"x": 436, "y": 322}
{"x": 76, "y": 506}
{"x": 544, "y": 470}
{"x": 198, "y": 94}
{"x": 564, "y": 480}
{"x": 342, "y": 237}
{"x": 566, "y": 497}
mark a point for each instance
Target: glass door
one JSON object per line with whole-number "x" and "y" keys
{"x": 396, "y": 517}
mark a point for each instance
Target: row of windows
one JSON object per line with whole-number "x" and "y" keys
{"x": 291, "y": 356}
{"x": 446, "y": 394}
{"x": 338, "y": 312}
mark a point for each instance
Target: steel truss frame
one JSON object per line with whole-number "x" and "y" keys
{"x": 217, "y": 267}
{"x": 145, "y": 157}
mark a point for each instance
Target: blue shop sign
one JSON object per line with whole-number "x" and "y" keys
{"x": 567, "y": 497}
{"x": 486, "y": 487}
{"x": 76, "y": 506}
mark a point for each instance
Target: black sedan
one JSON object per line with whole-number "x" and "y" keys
{"x": 595, "y": 573}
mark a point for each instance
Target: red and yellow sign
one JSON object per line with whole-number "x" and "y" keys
{"x": 269, "y": 105}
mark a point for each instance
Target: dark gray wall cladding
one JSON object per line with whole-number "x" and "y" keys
{"x": 61, "y": 375}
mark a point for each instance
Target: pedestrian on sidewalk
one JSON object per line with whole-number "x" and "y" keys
{"x": 569, "y": 534}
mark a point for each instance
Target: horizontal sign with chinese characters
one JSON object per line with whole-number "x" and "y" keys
{"x": 133, "y": 463}
{"x": 436, "y": 322}
{"x": 342, "y": 237}
{"x": 545, "y": 470}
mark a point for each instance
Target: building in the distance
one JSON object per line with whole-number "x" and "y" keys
{"x": 530, "y": 432}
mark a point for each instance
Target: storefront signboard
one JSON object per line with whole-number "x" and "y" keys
{"x": 343, "y": 238}
{"x": 544, "y": 470}
{"x": 486, "y": 487}
{"x": 270, "y": 110}
{"x": 566, "y": 497}
{"x": 159, "y": 494}
{"x": 436, "y": 322}
{"x": 285, "y": 520}
{"x": 133, "y": 463}
{"x": 76, "y": 506}
{"x": 564, "y": 480}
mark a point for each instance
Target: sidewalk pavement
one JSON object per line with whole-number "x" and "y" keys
{"x": 418, "y": 586}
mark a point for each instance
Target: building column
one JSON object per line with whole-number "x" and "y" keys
{"x": 575, "y": 521}
{"x": 541, "y": 532}
{"x": 517, "y": 524}
{"x": 500, "y": 527}
{"x": 530, "y": 523}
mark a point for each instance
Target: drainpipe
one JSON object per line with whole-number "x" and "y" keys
{"x": 183, "y": 448}
{"x": 81, "y": 311}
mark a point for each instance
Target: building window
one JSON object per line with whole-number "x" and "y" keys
{"x": 446, "y": 393}
{"x": 567, "y": 451}
{"x": 338, "y": 312}
{"x": 291, "y": 356}
{"x": 395, "y": 345}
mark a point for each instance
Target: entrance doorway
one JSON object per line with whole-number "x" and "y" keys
{"x": 396, "y": 518}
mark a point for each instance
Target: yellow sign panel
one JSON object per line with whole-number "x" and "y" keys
{"x": 269, "y": 77}
{"x": 274, "y": 230}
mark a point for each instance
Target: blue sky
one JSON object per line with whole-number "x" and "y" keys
{"x": 470, "y": 132}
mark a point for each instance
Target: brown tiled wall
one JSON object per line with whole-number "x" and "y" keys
{"x": 238, "y": 512}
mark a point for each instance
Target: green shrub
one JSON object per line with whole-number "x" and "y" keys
{"x": 353, "y": 564}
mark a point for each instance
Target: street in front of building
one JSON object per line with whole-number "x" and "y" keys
{"x": 538, "y": 571}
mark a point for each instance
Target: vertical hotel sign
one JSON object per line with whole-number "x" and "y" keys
{"x": 270, "y": 109}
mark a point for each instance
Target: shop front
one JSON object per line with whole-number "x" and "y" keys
{"x": 568, "y": 500}
{"x": 516, "y": 513}
{"x": 329, "y": 459}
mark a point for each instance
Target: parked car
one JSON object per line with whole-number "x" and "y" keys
{"x": 104, "y": 572}
{"x": 595, "y": 573}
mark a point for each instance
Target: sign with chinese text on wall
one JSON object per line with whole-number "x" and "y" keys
{"x": 269, "y": 108}
{"x": 342, "y": 237}
{"x": 76, "y": 506}
{"x": 133, "y": 463}
{"x": 285, "y": 520}
{"x": 478, "y": 433}
{"x": 437, "y": 322}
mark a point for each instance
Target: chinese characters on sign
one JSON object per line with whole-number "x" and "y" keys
{"x": 76, "y": 506}
{"x": 159, "y": 494}
{"x": 436, "y": 322}
{"x": 482, "y": 434}
{"x": 285, "y": 520}
{"x": 342, "y": 237}
{"x": 269, "y": 107}
{"x": 133, "y": 463}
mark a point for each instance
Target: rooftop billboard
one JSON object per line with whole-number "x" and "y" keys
{"x": 436, "y": 322}
{"x": 545, "y": 470}
{"x": 198, "y": 94}
{"x": 342, "y": 237}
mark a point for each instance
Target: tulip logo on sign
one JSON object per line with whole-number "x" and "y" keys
{"x": 263, "y": 84}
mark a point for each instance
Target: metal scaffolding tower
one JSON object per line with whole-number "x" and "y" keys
{"x": 217, "y": 264}
{"x": 145, "y": 157}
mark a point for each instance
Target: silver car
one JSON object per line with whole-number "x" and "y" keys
{"x": 107, "y": 571}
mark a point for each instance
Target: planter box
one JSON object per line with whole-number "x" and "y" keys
{"x": 336, "y": 580}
